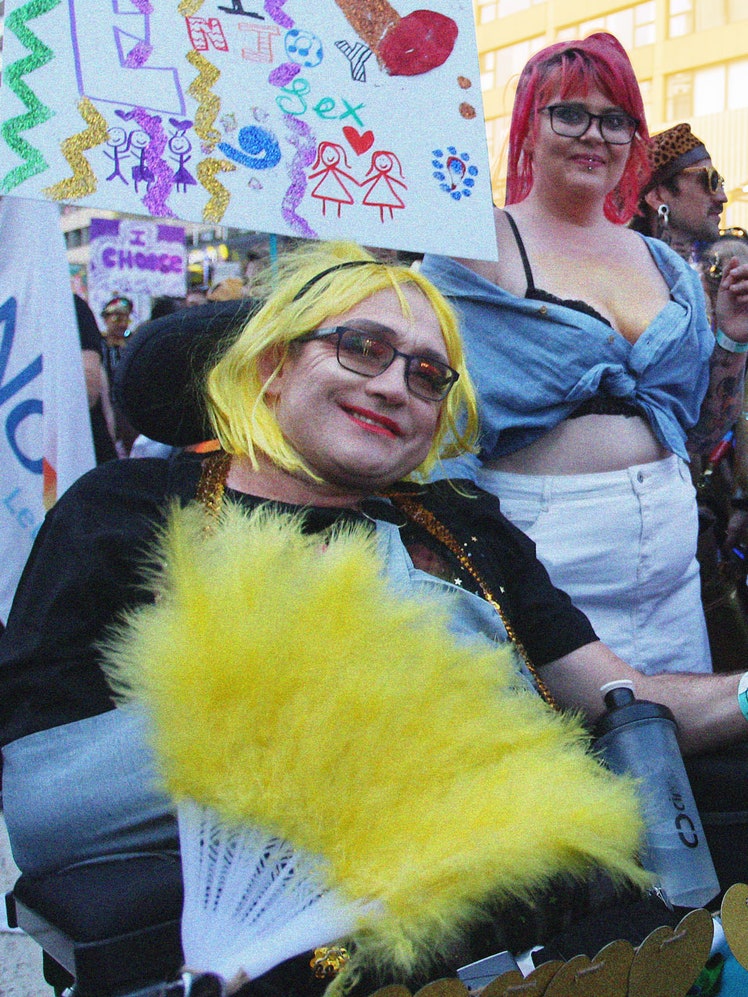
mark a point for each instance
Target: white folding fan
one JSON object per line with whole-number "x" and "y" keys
{"x": 250, "y": 900}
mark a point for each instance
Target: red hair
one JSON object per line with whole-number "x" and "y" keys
{"x": 574, "y": 68}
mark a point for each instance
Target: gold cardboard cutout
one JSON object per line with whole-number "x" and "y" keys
{"x": 607, "y": 975}
{"x": 669, "y": 959}
{"x": 734, "y": 912}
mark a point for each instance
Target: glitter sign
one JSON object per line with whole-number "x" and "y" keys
{"x": 316, "y": 118}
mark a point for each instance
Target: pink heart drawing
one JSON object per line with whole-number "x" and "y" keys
{"x": 358, "y": 141}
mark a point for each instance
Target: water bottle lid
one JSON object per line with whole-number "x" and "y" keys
{"x": 624, "y": 708}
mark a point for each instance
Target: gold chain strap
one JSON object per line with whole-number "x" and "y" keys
{"x": 210, "y": 488}
{"x": 415, "y": 511}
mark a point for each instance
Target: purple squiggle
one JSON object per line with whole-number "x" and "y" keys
{"x": 142, "y": 6}
{"x": 275, "y": 9}
{"x": 303, "y": 139}
{"x": 282, "y": 75}
{"x": 138, "y": 55}
{"x": 160, "y": 187}
{"x": 301, "y": 135}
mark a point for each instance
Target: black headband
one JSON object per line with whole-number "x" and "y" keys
{"x": 338, "y": 266}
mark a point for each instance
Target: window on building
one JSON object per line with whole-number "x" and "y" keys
{"x": 737, "y": 84}
{"x": 688, "y": 16}
{"x": 645, "y": 86}
{"x": 737, "y": 10}
{"x": 489, "y": 10}
{"x": 708, "y": 90}
{"x": 679, "y": 96}
{"x": 510, "y": 61}
{"x": 709, "y": 14}
{"x": 486, "y": 11}
{"x": 633, "y": 26}
{"x": 644, "y": 24}
{"x": 487, "y": 62}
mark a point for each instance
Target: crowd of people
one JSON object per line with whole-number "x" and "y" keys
{"x": 539, "y": 473}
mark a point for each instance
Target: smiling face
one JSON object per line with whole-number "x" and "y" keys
{"x": 358, "y": 434}
{"x": 586, "y": 164}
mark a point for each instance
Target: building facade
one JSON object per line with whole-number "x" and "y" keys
{"x": 690, "y": 57}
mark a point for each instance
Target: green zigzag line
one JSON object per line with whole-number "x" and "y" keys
{"x": 38, "y": 112}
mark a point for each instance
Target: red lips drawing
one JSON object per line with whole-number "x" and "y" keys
{"x": 404, "y": 46}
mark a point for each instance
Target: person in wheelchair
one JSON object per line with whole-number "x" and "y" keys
{"x": 338, "y": 397}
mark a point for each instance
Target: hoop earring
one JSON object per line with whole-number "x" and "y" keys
{"x": 663, "y": 220}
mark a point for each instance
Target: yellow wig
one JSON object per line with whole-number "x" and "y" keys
{"x": 309, "y": 287}
{"x": 291, "y": 688}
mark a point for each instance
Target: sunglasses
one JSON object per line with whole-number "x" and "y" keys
{"x": 369, "y": 355}
{"x": 712, "y": 179}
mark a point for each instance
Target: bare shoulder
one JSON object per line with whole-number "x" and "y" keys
{"x": 632, "y": 250}
{"x": 501, "y": 271}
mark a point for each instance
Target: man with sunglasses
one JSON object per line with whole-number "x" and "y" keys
{"x": 683, "y": 200}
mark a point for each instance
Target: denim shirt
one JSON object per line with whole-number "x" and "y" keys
{"x": 534, "y": 362}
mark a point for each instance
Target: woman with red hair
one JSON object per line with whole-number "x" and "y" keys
{"x": 590, "y": 350}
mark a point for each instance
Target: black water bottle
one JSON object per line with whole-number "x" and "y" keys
{"x": 637, "y": 737}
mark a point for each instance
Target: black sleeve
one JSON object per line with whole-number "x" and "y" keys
{"x": 547, "y": 622}
{"x": 84, "y": 569}
{"x": 87, "y": 327}
{"x": 543, "y": 616}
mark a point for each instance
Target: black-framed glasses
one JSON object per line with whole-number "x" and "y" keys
{"x": 368, "y": 354}
{"x": 574, "y": 120}
{"x": 712, "y": 179}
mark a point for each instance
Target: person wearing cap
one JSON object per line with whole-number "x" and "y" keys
{"x": 682, "y": 201}
{"x": 117, "y": 313}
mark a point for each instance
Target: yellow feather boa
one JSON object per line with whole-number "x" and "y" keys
{"x": 290, "y": 687}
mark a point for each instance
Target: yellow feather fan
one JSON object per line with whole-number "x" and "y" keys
{"x": 292, "y": 689}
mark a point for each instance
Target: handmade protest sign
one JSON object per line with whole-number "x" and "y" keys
{"x": 313, "y": 118}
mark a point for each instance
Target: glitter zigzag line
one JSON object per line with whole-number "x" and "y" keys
{"x": 189, "y": 7}
{"x": 215, "y": 209}
{"x": 38, "y": 112}
{"x": 83, "y": 180}
{"x": 209, "y": 104}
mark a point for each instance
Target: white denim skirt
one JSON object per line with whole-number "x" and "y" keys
{"x": 622, "y": 544}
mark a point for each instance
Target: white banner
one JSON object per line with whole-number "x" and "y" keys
{"x": 45, "y": 430}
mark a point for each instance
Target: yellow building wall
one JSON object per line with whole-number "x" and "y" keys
{"x": 725, "y": 132}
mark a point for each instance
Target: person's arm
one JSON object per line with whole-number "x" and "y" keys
{"x": 723, "y": 401}
{"x": 106, "y": 407}
{"x": 705, "y": 706}
{"x": 93, "y": 373}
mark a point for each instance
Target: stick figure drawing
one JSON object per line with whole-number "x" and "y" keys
{"x": 381, "y": 191}
{"x": 331, "y": 185}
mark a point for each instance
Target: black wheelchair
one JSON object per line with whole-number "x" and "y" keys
{"x": 110, "y": 928}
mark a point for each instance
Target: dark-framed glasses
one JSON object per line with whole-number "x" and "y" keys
{"x": 368, "y": 354}
{"x": 574, "y": 120}
{"x": 711, "y": 178}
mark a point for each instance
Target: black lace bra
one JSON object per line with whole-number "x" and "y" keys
{"x": 601, "y": 403}
{"x": 537, "y": 294}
